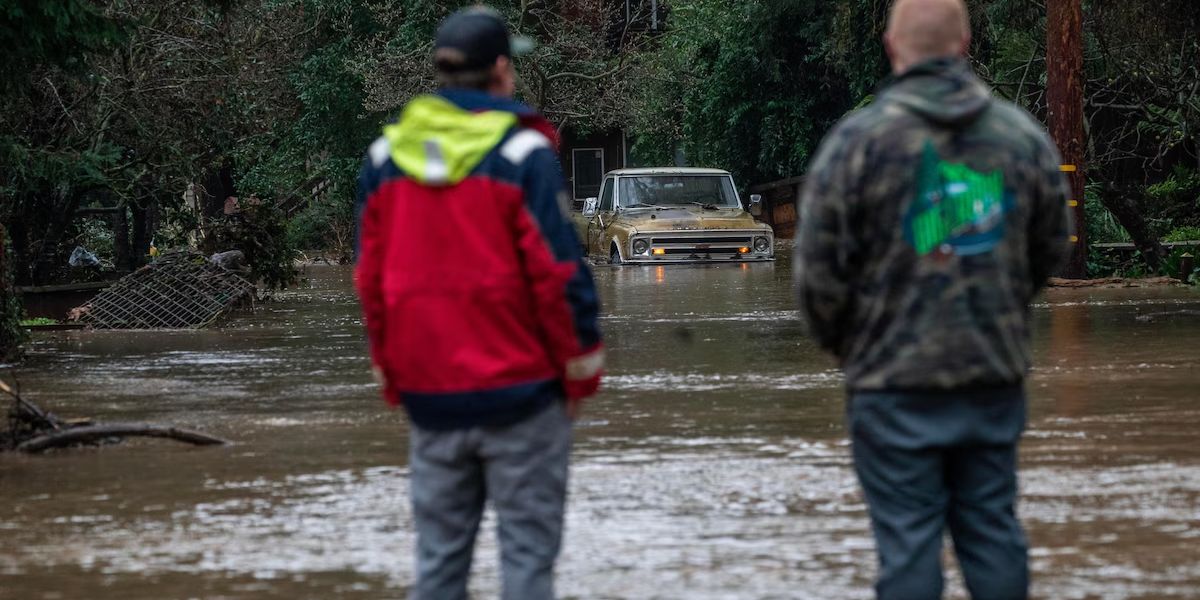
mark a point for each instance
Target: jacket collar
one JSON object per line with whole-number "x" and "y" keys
{"x": 944, "y": 91}
{"x": 476, "y": 100}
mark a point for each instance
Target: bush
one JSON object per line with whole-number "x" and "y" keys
{"x": 1174, "y": 203}
{"x": 1173, "y": 265}
{"x": 326, "y": 225}
{"x": 259, "y": 230}
{"x": 1183, "y": 234}
{"x": 1174, "y": 262}
{"x": 95, "y": 235}
{"x": 1103, "y": 262}
{"x": 1102, "y": 226}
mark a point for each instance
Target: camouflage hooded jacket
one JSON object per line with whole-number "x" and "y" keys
{"x": 929, "y": 220}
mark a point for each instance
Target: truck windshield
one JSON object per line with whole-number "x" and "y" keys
{"x": 678, "y": 190}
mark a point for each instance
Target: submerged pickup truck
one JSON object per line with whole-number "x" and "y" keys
{"x": 673, "y": 215}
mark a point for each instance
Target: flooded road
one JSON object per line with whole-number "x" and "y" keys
{"x": 714, "y": 465}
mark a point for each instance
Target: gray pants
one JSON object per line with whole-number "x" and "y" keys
{"x": 522, "y": 468}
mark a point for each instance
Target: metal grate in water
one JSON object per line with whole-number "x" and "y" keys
{"x": 181, "y": 290}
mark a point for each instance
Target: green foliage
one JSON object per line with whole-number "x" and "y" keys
{"x": 260, "y": 231}
{"x": 1106, "y": 262}
{"x": 1168, "y": 206}
{"x": 1102, "y": 227}
{"x": 1175, "y": 202}
{"x": 1189, "y": 233}
{"x": 754, "y": 86}
{"x": 1174, "y": 263}
{"x": 122, "y": 103}
{"x": 59, "y": 32}
{"x": 94, "y": 235}
{"x": 327, "y": 224}
{"x": 265, "y": 241}
{"x": 323, "y": 143}
{"x": 1182, "y": 184}
{"x": 38, "y": 322}
{"x": 41, "y": 177}
{"x": 329, "y": 128}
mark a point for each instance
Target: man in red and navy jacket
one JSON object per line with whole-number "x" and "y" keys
{"x": 480, "y": 311}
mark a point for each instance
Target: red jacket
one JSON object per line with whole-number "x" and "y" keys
{"x": 478, "y": 305}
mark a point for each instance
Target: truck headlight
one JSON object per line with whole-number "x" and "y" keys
{"x": 640, "y": 246}
{"x": 761, "y": 244}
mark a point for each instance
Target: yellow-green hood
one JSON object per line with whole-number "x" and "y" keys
{"x": 438, "y": 143}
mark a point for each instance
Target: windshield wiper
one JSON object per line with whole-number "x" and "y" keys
{"x": 643, "y": 205}
{"x": 706, "y": 206}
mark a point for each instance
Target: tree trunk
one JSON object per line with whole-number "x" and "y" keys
{"x": 141, "y": 236}
{"x": 123, "y": 259}
{"x": 44, "y": 263}
{"x": 19, "y": 234}
{"x": 10, "y": 335}
{"x": 1123, "y": 205}
{"x": 1064, "y": 100}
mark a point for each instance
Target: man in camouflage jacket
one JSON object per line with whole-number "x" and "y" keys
{"x": 929, "y": 221}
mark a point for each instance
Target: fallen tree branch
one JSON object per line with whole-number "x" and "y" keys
{"x": 96, "y": 433}
{"x": 32, "y": 430}
{"x": 38, "y": 415}
{"x": 1114, "y": 282}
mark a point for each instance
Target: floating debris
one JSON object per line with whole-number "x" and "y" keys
{"x": 1162, "y": 316}
{"x": 33, "y": 430}
{"x": 181, "y": 290}
{"x": 1114, "y": 282}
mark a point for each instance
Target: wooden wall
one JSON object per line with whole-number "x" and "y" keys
{"x": 779, "y": 205}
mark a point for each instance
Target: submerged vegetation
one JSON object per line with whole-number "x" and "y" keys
{"x": 37, "y": 322}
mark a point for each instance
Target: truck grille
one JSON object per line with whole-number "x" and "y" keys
{"x": 700, "y": 245}
{"x": 729, "y": 240}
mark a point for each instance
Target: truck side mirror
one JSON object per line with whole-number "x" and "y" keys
{"x": 756, "y": 207}
{"x": 589, "y": 206}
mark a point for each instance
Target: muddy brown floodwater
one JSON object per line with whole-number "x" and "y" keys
{"x": 714, "y": 465}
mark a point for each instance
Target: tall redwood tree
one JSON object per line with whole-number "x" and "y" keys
{"x": 1064, "y": 98}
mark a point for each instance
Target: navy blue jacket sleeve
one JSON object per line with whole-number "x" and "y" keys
{"x": 561, "y": 281}
{"x": 546, "y": 195}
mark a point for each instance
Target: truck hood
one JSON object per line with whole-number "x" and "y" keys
{"x": 688, "y": 218}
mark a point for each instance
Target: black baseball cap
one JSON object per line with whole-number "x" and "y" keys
{"x": 473, "y": 38}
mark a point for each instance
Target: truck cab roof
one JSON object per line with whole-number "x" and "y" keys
{"x": 641, "y": 172}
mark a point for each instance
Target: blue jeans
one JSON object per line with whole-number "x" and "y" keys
{"x": 522, "y": 469}
{"x": 932, "y": 461}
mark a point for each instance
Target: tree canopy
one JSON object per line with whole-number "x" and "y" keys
{"x": 159, "y": 113}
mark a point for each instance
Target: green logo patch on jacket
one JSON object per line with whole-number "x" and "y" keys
{"x": 957, "y": 210}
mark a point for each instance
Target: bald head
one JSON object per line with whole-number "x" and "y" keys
{"x": 920, "y": 30}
